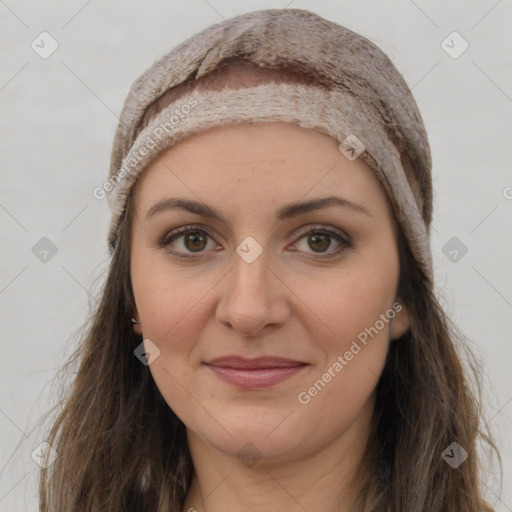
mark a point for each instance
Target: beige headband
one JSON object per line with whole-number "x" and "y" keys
{"x": 333, "y": 112}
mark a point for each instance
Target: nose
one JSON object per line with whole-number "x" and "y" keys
{"x": 254, "y": 298}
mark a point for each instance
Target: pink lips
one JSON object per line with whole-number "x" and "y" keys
{"x": 256, "y": 373}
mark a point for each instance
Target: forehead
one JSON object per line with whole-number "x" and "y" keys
{"x": 255, "y": 164}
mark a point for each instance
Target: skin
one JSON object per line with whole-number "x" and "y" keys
{"x": 289, "y": 302}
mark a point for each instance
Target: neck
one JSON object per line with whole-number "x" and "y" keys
{"x": 327, "y": 480}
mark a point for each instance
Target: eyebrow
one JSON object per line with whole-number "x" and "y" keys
{"x": 286, "y": 212}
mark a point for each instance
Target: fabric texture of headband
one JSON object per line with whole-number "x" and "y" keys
{"x": 358, "y": 98}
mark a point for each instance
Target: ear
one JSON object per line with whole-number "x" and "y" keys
{"x": 137, "y": 328}
{"x": 401, "y": 321}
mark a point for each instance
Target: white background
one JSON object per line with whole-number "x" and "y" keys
{"x": 57, "y": 122}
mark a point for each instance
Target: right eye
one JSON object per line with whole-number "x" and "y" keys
{"x": 189, "y": 239}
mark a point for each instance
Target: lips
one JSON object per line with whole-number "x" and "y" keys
{"x": 257, "y": 373}
{"x": 241, "y": 363}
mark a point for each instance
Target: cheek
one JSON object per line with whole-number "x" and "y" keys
{"x": 354, "y": 348}
{"x": 169, "y": 300}
{"x": 350, "y": 301}
{"x": 356, "y": 310}
{"x": 174, "y": 305}
{"x": 355, "y": 323}
{"x": 172, "y": 308}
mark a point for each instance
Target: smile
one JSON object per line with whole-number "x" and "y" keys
{"x": 254, "y": 373}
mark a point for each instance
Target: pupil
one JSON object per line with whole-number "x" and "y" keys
{"x": 319, "y": 238}
{"x": 194, "y": 237}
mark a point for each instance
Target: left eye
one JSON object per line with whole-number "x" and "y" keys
{"x": 195, "y": 240}
{"x": 320, "y": 241}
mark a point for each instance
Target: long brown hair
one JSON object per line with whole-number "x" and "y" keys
{"x": 121, "y": 448}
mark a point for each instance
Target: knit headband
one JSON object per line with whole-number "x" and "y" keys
{"x": 390, "y": 139}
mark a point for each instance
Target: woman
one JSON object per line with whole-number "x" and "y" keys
{"x": 268, "y": 336}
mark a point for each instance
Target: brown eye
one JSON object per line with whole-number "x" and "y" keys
{"x": 194, "y": 241}
{"x": 186, "y": 241}
{"x": 319, "y": 242}
{"x": 322, "y": 239}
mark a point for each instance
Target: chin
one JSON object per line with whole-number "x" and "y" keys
{"x": 253, "y": 433}
{"x": 252, "y": 447}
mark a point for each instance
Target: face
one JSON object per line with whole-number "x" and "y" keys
{"x": 272, "y": 309}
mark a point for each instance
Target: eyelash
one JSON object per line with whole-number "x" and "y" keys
{"x": 319, "y": 229}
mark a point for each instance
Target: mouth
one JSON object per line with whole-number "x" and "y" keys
{"x": 259, "y": 373}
